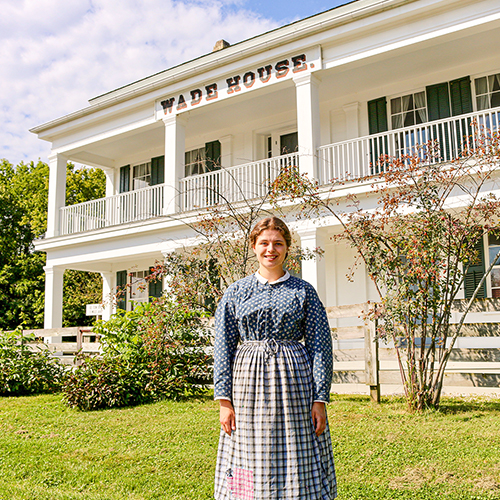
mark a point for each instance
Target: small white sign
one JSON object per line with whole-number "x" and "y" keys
{"x": 94, "y": 310}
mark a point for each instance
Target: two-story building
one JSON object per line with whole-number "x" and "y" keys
{"x": 324, "y": 91}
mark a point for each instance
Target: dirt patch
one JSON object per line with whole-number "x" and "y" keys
{"x": 412, "y": 478}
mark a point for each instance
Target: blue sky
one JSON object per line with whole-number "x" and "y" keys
{"x": 57, "y": 54}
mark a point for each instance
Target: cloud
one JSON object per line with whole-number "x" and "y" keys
{"x": 56, "y": 54}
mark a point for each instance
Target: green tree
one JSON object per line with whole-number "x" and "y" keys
{"x": 23, "y": 217}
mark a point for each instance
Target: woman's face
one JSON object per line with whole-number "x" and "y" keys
{"x": 270, "y": 249}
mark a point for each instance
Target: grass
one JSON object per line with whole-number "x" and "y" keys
{"x": 167, "y": 450}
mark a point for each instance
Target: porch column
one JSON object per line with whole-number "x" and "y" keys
{"x": 313, "y": 270}
{"x": 308, "y": 123}
{"x": 57, "y": 192}
{"x": 110, "y": 181}
{"x": 108, "y": 299}
{"x": 53, "y": 296}
{"x": 175, "y": 132}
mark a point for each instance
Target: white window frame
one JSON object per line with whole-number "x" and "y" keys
{"x": 401, "y": 96}
{"x": 489, "y": 91}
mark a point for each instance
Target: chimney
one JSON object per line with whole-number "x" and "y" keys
{"x": 221, "y": 44}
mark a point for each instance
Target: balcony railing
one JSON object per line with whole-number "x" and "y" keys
{"x": 122, "y": 208}
{"x": 348, "y": 160}
{"x": 357, "y": 158}
{"x": 234, "y": 184}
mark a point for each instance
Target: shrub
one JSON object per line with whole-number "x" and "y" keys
{"x": 155, "y": 352}
{"x": 27, "y": 369}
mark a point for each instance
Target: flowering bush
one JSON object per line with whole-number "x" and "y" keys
{"x": 155, "y": 352}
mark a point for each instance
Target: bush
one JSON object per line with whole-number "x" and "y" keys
{"x": 155, "y": 352}
{"x": 26, "y": 369}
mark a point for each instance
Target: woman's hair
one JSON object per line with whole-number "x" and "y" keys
{"x": 271, "y": 223}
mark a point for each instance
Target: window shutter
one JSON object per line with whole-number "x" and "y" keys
{"x": 438, "y": 101}
{"x": 155, "y": 289}
{"x": 157, "y": 170}
{"x": 377, "y": 115}
{"x": 121, "y": 286}
{"x": 461, "y": 96}
{"x": 212, "y": 155}
{"x": 125, "y": 179}
{"x": 475, "y": 273}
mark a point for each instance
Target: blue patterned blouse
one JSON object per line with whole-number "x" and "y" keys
{"x": 288, "y": 309}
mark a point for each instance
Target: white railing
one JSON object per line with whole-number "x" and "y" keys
{"x": 346, "y": 161}
{"x": 357, "y": 158}
{"x": 122, "y": 208}
{"x": 233, "y": 184}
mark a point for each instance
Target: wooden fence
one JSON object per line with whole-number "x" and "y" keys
{"x": 64, "y": 343}
{"x": 363, "y": 365}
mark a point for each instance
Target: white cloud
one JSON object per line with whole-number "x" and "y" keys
{"x": 56, "y": 54}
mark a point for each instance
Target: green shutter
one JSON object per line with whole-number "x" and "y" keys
{"x": 377, "y": 115}
{"x": 461, "y": 96}
{"x": 157, "y": 170}
{"x": 155, "y": 289}
{"x": 212, "y": 155}
{"x": 438, "y": 101}
{"x": 125, "y": 179}
{"x": 475, "y": 273}
{"x": 121, "y": 286}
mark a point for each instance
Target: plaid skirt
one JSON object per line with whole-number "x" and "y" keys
{"x": 274, "y": 452}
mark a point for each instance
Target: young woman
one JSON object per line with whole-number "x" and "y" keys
{"x": 272, "y": 388}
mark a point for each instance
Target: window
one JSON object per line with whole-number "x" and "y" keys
{"x": 195, "y": 162}
{"x": 203, "y": 160}
{"x": 408, "y": 110}
{"x": 493, "y": 249}
{"x": 138, "y": 289}
{"x": 488, "y": 91}
{"x": 141, "y": 175}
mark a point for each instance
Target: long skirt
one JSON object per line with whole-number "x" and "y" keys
{"x": 274, "y": 452}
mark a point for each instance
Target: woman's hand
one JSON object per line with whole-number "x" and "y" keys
{"x": 318, "y": 414}
{"x": 227, "y": 416}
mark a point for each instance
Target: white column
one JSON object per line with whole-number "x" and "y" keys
{"x": 226, "y": 151}
{"x": 352, "y": 120}
{"x": 53, "y": 296}
{"x": 108, "y": 296}
{"x": 110, "y": 181}
{"x": 57, "y": 192}
{"x": 314, "y": 270}
{"x": 175, "y": 144}
{"x": 308, "y": 123}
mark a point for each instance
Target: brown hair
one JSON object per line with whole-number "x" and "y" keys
{"x": 271, "y": 223}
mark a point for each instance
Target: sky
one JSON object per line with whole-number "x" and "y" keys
{"x": 55, "y": 55}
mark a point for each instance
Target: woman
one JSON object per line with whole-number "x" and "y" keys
{"x": 274, "y": 442}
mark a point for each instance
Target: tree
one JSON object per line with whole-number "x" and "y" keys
{"x": 418, "y": 246}
{"x": 23, "y": 212}
{"x": 221, "y": 254}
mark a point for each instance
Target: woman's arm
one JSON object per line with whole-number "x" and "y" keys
{"x": 318, "y": 414}
{"x": 227, "y": 416}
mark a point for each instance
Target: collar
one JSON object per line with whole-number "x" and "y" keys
{"x": 263, "y": 280}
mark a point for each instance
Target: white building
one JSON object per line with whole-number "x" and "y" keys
{"x": 329, "y": 86}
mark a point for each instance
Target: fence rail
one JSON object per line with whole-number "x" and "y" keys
{"x": 473, "y": 367}
{"x": 357, "y": 158}
{"x": 65, "y": 343}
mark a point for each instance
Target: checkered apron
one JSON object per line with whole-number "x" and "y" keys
{"x": 274, "y": 452}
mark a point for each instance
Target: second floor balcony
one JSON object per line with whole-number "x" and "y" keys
{"x": 346, "y": 161}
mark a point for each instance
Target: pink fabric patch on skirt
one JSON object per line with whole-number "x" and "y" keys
{"x": 240, "y": 484}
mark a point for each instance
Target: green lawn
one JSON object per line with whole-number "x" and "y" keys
{"x": 167, "y": 450}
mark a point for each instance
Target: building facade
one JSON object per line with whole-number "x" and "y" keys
{"x": 323, "y": 92}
